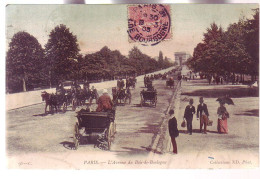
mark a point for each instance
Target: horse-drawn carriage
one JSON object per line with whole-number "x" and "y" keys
{"x": 55, "y": 102}
{"x": 80, "y": 96}
{"x": 120, "y": 96}
{"x": 130, "y": 82}
{"x": 148, "y": 96}
{"x": 164, "y": 76}
{"x": 170, "y": 83}
{"x": 100, "y": 123}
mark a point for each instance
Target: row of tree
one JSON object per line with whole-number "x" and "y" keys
{"x": 234, "y": 51}
{"x": 28, "y": 65}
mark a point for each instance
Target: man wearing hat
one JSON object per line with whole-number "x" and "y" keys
{"x": 202, "y": 114}
{"x": 104, "y": 102}
{"x": 173, "y": 130}
{"x": 188, "y": 115}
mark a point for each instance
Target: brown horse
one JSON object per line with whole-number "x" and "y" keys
{"x": 50, "y": 100}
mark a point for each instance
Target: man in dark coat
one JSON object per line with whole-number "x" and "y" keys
{"x": 188, "y": 115}
{"x": 173, "y": 130}
{"x": 202, "y": 114}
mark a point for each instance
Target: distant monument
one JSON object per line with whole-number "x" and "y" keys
{"x": 181, "y": 57}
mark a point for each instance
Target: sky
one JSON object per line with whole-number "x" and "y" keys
{"x": 97, "y": 26}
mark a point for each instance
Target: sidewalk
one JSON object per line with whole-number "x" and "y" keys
{"x": 219, "y": 150}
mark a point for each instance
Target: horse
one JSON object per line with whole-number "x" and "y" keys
{"x": 79, "y": 97}
{"x": 130, "y": 82}
{"x": 128, "y": 95}
{"x": 51, "y": 101}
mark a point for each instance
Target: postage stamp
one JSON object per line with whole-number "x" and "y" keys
{"x": 149, "y": 24}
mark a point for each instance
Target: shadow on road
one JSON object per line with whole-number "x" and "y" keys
{"x": 68, "y": 145}
{"x": 144, "y": 105}
{"x": 233, "y": 92}
{"x": 149, "y": 128}
{"x": 254, "y": 112}
{"x": 196, "y": 131}
{"x": 132, "y": 151}
{"x": 42, "y": 115}
{"x": 193, "y": 131}
{"x": 136, "y": 105}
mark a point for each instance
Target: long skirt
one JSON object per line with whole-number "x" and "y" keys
{"x": 222, "y": 126}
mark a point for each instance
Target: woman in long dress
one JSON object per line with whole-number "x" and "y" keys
{"x": 222, "y": 119}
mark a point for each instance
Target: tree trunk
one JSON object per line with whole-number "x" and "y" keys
{"x": 252, "y": 78}
{"x": 24, "y": 84}
{"x": 50, "y": 78}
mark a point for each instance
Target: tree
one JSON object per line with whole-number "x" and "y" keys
{"x": 213, "y": 33}
{"x": 142, "y": 62}
{"x": 207, "y": 54}
{"x": 24, "y": 62}
{"x": 136, "y": 58}
{"x": 167, "y": 63}
{"x": 160, "y": 60}
{"x": 237, "y": 59}
{"x": 62, "y": 52}
{"x": 251, "y": 39}
{"x": 234, "y": 51}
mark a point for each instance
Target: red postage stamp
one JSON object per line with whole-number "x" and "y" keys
{"x": 149, "y": 24}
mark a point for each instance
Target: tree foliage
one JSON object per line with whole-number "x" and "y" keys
{"x": 24, "y": 63}
{"x": 62, "y": 51}
{"x": 61, "y": 60}
{"x": 235, "y": 50}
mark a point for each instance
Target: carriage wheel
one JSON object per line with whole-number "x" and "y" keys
{"x": 109, "y": 135}
{"x": 64, "y": 107}
{"x": 76, "y": 136}
{"x": 52, "y": 109}
{"x": 74, "y": 104}
{"x": 114, "y": 128}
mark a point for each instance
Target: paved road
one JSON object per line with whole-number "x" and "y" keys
{"x": 30, "y": 131}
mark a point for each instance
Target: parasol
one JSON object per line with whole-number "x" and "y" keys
{"x": 226, "y": 100}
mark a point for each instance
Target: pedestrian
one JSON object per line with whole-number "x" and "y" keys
{"x": 237, "y": 80}
{"x": 202, "y": 114}
{"x": 188, "y": 115}
{"x": 233, "y": 79}
{"x": 173, "y": 130}
{"x": 209, "y": 79}
{"x": 222, "y": 118}
{"x": 221, "y": 80}
{"x": 217, "y": 79}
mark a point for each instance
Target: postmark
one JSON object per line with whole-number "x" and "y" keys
{"x": 149, "y": 24}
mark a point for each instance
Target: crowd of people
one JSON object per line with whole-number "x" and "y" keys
{"x": 223, "y": 79}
